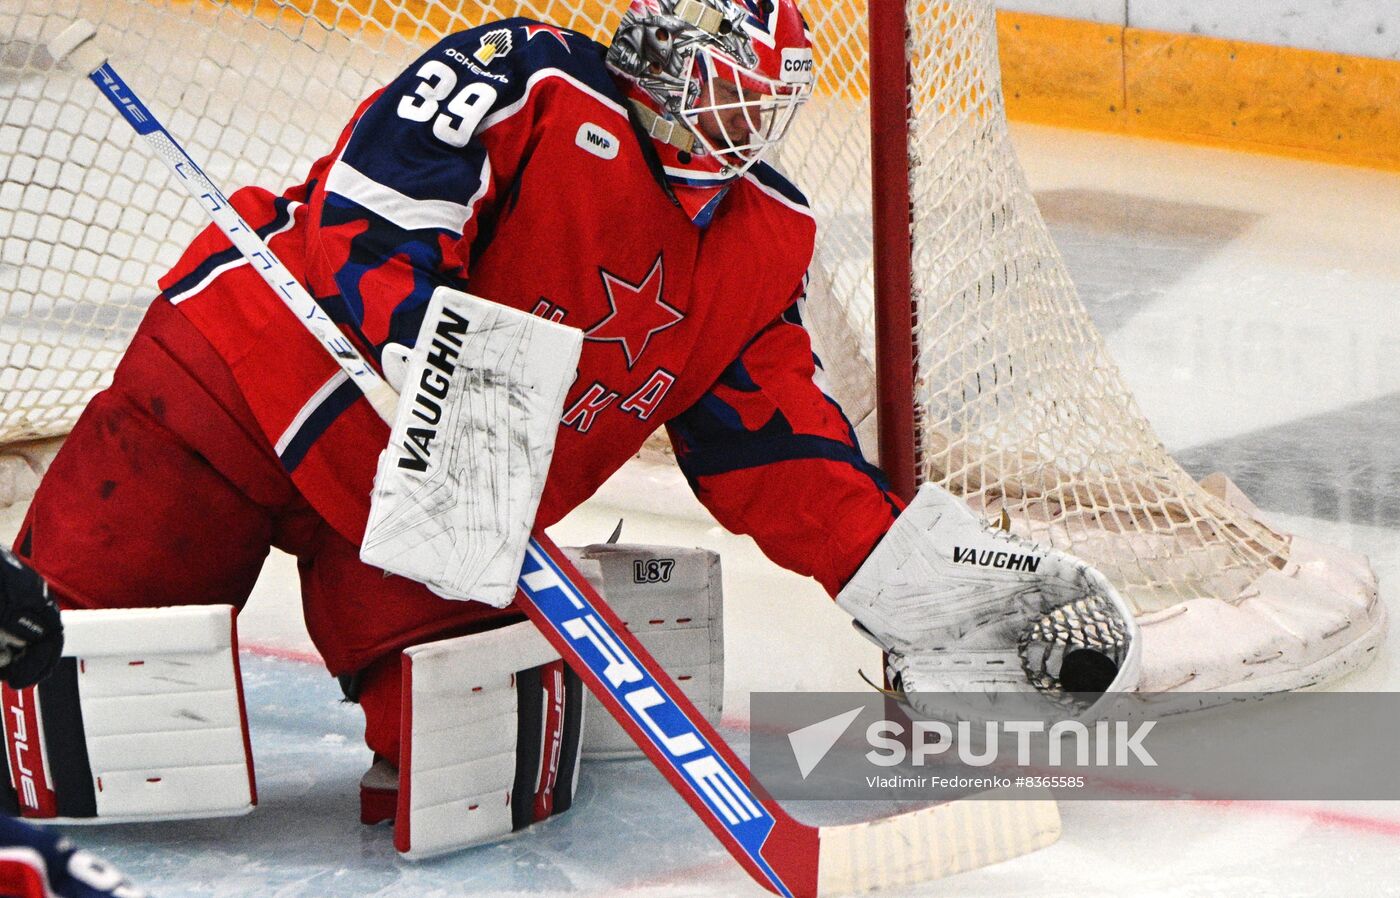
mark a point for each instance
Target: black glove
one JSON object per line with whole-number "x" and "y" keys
{"x": 31, "y": 631}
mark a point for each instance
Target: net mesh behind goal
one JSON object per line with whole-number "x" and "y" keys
{"x": 1018, "y": 407}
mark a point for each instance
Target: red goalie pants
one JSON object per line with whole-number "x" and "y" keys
{"x": 168, "y": 493}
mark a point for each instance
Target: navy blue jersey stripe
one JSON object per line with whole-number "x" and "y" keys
{"x": 768, "y": 176}
{"x": 675, "y": 177}
{"x": 706, "y": 214}
{"x": 202, "y": 271}
{"x": 317, "y": 423}
{"x": 65, "y": 742}
{"x": 745, "y": 454}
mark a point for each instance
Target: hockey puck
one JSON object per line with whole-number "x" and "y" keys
{"x": 1085, "y": 670}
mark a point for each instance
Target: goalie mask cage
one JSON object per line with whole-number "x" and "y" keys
{"x": 993, "y": 381}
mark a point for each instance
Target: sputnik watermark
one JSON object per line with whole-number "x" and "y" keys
{"x": 1230, "y": 746}
{"x": 811, "y": 743}
{"x": 1104, "y": 744}
{"x": 1117, "y": 743}
{"x": 938, "y": 782}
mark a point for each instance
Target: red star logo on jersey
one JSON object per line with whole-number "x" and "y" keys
{"x": 637, "y": 312}
{"x": 532, "y": 30}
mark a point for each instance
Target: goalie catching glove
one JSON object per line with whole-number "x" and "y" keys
{"x": 963, "y": 607}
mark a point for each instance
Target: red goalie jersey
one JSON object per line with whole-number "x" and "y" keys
{"x": 504, "y": 163}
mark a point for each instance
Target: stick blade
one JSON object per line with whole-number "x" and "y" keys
{"x": 931, "y": 843}
{"x": 76, "y": 46}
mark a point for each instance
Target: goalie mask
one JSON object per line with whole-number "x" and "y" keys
{"x": 716, "y": 82}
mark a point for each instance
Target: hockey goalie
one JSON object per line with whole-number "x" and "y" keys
{"x": 639, "y": 265}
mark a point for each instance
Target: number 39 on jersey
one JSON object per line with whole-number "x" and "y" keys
{"x": 455, "y": 122}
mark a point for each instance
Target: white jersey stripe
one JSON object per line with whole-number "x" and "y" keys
{"x": 403, "y": 210}
{"x": 177, "y": 298}
{"x": 691, "y": 175}
{"x": 480, "y": 191}
{"x": 309, "y": 409}
{"x": 506, "y": 112}
{"x": 796, "y": 207}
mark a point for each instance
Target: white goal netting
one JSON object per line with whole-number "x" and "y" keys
{"x": 1018, "y": 406}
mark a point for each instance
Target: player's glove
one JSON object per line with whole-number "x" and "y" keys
{"x": 962, "y": 607}
{"x": 31, "y": 631}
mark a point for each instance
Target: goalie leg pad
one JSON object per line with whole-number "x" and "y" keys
{"x": 144, "y": 720}
{"x": 671, "y": 599}
{"x": 490, "y": 741}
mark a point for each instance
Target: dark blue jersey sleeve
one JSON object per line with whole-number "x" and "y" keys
{"x": 402, "y": 205}
{"x": 771, "y": 455}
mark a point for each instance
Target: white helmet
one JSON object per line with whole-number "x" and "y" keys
{"x": 716, "y": 81}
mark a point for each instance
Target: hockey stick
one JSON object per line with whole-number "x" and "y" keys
{"x": 783, "y": 855}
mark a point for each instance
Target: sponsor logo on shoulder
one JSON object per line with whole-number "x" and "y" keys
{"x": 459, "y": 57}
{"x": 493, "y": 44}
{"x": 601, "y": 143}
{"x": 1007, "y": 561}
{"x": 797, "y": 66}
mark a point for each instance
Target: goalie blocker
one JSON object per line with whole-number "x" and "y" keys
{"x": 456, "y": 490}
